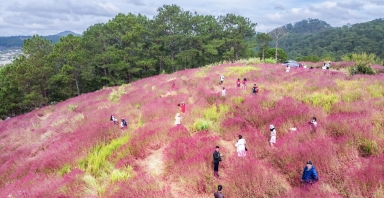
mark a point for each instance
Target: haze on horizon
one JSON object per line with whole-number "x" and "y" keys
{"x": 27, "y": 17}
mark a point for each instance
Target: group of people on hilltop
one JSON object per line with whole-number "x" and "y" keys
{"x": 309, "y": 175}
{"x": 255, "y": 89}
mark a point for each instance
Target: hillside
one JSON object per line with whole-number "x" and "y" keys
{"x": 334, "y": 41}
{"x": 71, "y": 149}
{"x": 7, "y": 42}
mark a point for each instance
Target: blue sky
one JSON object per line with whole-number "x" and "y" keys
{"x": 46, "y": 17}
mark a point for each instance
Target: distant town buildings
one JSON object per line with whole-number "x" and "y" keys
{"x": 7, "y": 56}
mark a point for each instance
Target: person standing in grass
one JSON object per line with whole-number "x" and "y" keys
{"x": 273, "y": 135}
{"x": 221, "y": 79}
{"x": 183, "y": 107}
{"x": 223, "y": 92}
{"x": 287, "y": 68}
{"x": 313, "y": 124}
{"x": 240, "y": 147}
{"x": 218, "y": 194}
{"x": 123, "y": 123}
{"x": 113, "y": 119}
{"x": 309, "y": 174}
{"x": 255, "y": 89}
{"x": 177, "y": 119}
{"x": 244, "y": 83}
{"x": 216, "y": 160}
{"x": 238, "y": 82}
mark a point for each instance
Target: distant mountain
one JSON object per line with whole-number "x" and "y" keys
{"x": 7, "y": 42}
{"x": 65, "y": 33}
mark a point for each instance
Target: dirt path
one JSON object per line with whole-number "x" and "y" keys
{"x": 154, "y": 163}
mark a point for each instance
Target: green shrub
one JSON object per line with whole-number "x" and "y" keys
{"x": 115, "y": 95}
{"x": 361, "y": 68}
{"x": 250, "y": 61}
{"x": 312, "y": 58}
{"x": 270, "y": 60}
{"x": 201, "y": 124}
{"x": 359, "y": 58}
{"x": 214, "y": 112}
{"x": 368, "y": 148}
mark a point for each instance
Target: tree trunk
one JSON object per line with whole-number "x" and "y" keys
{"x": 77, "y": 87}
{"x": 276, "y": 52}
{"x": 263, "y": 55}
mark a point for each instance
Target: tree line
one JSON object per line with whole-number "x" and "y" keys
{"x": 126, "y": 48}
{"x": 317, "y": 40}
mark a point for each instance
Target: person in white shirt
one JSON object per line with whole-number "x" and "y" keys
{"x": 287, "y": 68}
{"x": 223, "y": 92}
{"x": 177, "y": 119}
{"x": 273, "y": 135}
{"x": 221, "y": 79}
{"x": 240, "y": 147}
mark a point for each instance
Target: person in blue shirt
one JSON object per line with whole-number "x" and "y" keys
{"x": 309, "y": 174}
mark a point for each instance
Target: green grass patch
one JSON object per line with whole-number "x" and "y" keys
{"x": 352, "y": 96}
{"x": 321, "y": 100}
{"x": 95, "y": 162}
{"x": 121, "y": 175}
{"x": 376, "y": 90}
{"x": 65, "y": 170}
{"x": 215, "y": 111}
{"x": 240, "y": 70}
{"x": 201, "y": 124}
{"x": 250, "y": 61}
{"x": 72, "y": 108}
{"x": 115, "y": 95}
{"x": 237, "y": 100}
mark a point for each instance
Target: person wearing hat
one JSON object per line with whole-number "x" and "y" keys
{"x": 218, "y": 194}
{"x": 177, "y": 119}
{"x": 309, "y": 174}
{"x": 221, "y": 79}
{"x": 273, "y": 135}
{"x": 216, "y": 160}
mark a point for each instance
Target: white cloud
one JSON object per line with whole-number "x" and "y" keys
{"x": 52, "y": 16}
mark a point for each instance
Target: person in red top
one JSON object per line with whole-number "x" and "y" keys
{"x": 182, "y": 107}
{"x": 245, "y": 83}
{"x": 173, "y": 84}
{"x": 238, "y": 82}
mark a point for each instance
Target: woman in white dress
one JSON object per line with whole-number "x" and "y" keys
{"x": 240, "y": 145}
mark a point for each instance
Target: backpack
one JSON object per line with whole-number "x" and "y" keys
{"x": 255, "y": 89}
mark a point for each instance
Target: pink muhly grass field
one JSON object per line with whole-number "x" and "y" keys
{"x": 346, "y": 149}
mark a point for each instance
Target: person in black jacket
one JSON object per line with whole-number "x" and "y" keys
{"x": 218, "y": 194}
{"x": 216, "y": 161}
